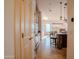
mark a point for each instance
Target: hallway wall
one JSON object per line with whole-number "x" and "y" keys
{"x": 9, "y": 29}
{"x": 70, "y": 41}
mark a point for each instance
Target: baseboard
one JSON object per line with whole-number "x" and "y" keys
{"x": 8, "y": 57}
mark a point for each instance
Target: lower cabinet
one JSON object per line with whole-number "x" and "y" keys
{"x": 61, "y": 41}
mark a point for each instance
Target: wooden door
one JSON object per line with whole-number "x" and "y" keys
{"x": 23, "y": 29}
{"x": 27, "y": 40}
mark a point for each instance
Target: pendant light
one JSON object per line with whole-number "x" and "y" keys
{"x": 60, "y": 10}
{"x": 64, "y": 12}
{"x": 65, "y": 5}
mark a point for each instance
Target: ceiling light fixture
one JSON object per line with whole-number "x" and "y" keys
{"x": 45, "y": 18}
{"x": 65, "y": 11}
{"x": 60, "y": 10}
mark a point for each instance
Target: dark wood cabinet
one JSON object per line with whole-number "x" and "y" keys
{"x": 61, "y": 40}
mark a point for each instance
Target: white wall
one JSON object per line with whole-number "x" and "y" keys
{"x": 8, "y": 29}
{"x": 70, "y": 41}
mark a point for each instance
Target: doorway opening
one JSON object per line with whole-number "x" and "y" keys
{"x": 53, "y": 29}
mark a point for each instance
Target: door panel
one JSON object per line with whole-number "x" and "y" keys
{"x": 27, "y": 42}
{"x": 17, "y": 29}
{"x": 26, "y": 30}
{"x": 23, "y": 29}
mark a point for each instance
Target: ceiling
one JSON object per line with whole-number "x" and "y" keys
{"x": 51, "y": 9}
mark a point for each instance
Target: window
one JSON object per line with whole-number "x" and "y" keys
{"x": 47, "y": 27}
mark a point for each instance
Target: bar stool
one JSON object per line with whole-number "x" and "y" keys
{"x": 53, "y": 39}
